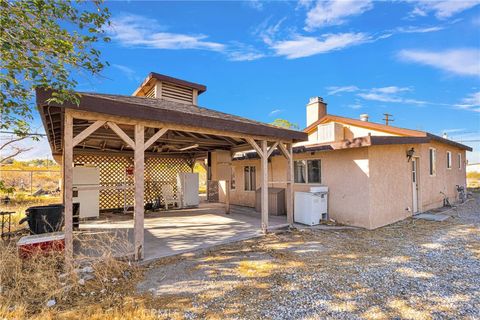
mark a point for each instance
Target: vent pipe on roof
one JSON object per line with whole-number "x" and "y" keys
{"x": 445, "y": 136}
{"x": 364, "y": 117}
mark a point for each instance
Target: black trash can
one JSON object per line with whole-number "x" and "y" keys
{"x": 75, "y": 215}
{"x": 45, "y": 219}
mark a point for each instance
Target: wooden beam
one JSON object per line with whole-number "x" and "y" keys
{"x": 286, "y": 153}
{"x": 290, "y": 178}
{"x": 68, "y": 186}
{"x": 91, "y": 115}
{"x": 88, "y": 131}
{"x": 115, "y": 128}
{"x": 138, "y": 210}
{"x": 155, "y": 137}
{"x": 271, "y": 149}
{"x": 255, "y": 146}
{"x": 264, "y": 190}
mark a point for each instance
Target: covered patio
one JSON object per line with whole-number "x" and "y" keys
{"x": 174, "y": 232}
{"x": 138, "y": 129}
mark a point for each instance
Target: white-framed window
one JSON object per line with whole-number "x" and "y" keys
{"x": 307, "y": 171}
{"x": 232, "y": 179}
{"x": 249, "y": 178}
{"x": 433, "y": 161}
{"x": 460, "y": 165}
{"x": 449, "y": 160}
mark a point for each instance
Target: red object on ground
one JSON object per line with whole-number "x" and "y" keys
{"x": 129, "y": 171}
{"x": 44, "y": 243}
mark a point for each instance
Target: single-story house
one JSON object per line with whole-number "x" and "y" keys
{"x": 376, "y": 174}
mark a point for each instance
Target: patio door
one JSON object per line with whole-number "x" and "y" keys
{"x": 415, "y": 185}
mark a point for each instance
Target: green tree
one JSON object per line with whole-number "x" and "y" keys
{"x": 285, "y": 124}
{"x": 41, "y": 43}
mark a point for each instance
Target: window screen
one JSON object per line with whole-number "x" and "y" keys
{"x": 249, "y": 178}
{"x": 314, "y": 171}
{"x": 299, "y": 170}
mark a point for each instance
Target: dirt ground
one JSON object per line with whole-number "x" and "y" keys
{"x": 414, "y": 269}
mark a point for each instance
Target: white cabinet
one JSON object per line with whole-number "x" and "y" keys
{"x": 86, "y": 190}
{"x": 188, "y": 184}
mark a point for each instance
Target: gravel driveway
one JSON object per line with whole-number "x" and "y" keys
{"x": 413, "y": 269}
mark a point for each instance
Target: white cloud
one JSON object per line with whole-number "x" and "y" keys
{"x": 336, "y": 90}
{"x": 138, "y": 31}
{"x": 301, "y": 46}
{"x": 457, "y": 61}
{"x": 471, "y": 102}
{"x": 254, "y": 4}
{"x": 274, "y": 112}
{"x": 442, "y": 9}
{"x": 355, "y": 106}
{"x": 416, "y": 29}
{"x": 128, "y": 72}
{"x": 378, "y": 97}
{"x": 391, "y": 89}
{"x": 334, "y": 12}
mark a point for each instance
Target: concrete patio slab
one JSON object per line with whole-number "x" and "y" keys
{"x": 175, "y": 232}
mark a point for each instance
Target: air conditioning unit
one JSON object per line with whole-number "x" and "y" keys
{"x": 311, "y": 207}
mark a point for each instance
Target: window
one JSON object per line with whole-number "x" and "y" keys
{"x": 232, "y": 179}
{"x": 299, "y": 168}
{"x": 433, "y": 161}
{"x": 249, "y": 178}
{"x": 449, "y": 160}
{"x": 307, "y": 171}
{"x": 459, "y": 161}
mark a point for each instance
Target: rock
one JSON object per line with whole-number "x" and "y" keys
{"x": 87, "y": 269}
{"x": 81, "y": 282}
{"x": 51, "y": 303}
{"x": 114, "y": 279}
{"x": 88, "y": 277}
{"x": 103, "y": 291}
{"x": 126, "y": 274}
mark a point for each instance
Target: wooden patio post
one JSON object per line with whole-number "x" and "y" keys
{"x": 264, "y": 191}
{"x": 290, "y": 182}
{"x": 139, "y": 166}
{"x": 68, "y": 185}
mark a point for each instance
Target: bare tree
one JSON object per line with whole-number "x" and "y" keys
{"x": 10, "y": 149}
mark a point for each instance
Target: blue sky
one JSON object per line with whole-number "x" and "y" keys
{"x": 417, "y": 60}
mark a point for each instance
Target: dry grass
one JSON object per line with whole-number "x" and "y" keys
{"x": 26, "y": 285}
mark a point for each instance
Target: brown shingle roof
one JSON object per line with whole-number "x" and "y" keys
{"x": 172, "y": 112}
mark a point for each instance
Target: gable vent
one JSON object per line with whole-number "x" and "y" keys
{"x": 150, "y": 93}
{"x": 177, "y": 93}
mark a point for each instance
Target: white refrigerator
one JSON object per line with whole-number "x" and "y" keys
{"x": 187, "y": 184}
{"x": 86, "y": 190}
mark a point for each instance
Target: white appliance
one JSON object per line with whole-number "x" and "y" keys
{"x": 311, "y": 207}
{"x": 86, "y": 190}
{"x": 188, "y": 184}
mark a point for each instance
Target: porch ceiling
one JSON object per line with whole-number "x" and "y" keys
{"x": 105, "y": 140}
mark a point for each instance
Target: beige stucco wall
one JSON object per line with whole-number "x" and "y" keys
{"x": 351, "y": 132}
{"x": 345, "y": 172}
{"x": 391, "y": 188}
{"x": 445, "y": 179}
{"x": 368, "y": 187}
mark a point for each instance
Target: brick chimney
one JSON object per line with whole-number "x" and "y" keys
{"x": 316, "y": 109}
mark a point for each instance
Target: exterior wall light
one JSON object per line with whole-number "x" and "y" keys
{"x": 410, "y": 154}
